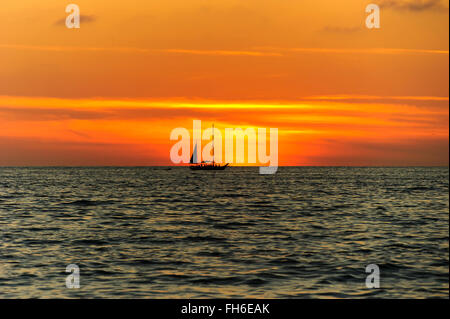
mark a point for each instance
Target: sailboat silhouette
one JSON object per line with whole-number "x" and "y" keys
{"x": 205, "y": 166}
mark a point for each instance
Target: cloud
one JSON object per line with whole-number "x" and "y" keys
{"x": 427, "y": 102}
{"x": 398, "y": 152}
{"x": 255, "y": 52}
{"x": 49, "y": 151}
{"x": 222, "y": 52}
{"x": 84, "y": 18}
{"x": 414, "y": 5}
{"x": 247, "y": 53}
{"x": 51, "y": 131}
{"x": 371, "y": 51}
{"x": 358, "y": 50}
{"x": 326, "y": 107}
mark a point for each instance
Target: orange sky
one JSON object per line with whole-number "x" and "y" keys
{"x": 110, "y": 92}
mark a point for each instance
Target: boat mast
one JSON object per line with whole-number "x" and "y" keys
{"x": 213, "y": 143}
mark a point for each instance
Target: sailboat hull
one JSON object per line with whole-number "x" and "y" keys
{"x": 205, "y": 166}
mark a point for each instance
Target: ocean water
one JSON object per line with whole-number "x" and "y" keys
{"x": 174, "y": 233}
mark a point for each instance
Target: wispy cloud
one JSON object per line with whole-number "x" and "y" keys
{"x": 255, "y": 52}
{"x": 367, "y": 50}
{"x": 371, "y": 97}
{"x": 95, "y": 104}
{"x": 84, "y": 18}
{"x": 425, "y": 102}
{"x": 415, "y": 5}
{"x": 143, "y": 50}
{"x": 222, "y": 52}
{"x": 70, "y": 48}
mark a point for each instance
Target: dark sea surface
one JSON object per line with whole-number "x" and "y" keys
{"x": 174, "y": 233}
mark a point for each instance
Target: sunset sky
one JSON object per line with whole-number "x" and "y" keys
{"x": 111, "y": 92}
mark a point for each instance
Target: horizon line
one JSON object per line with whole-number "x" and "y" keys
{"x": 231, "y": 165}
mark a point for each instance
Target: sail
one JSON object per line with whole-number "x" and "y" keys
{"x": 194, "y": 159}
